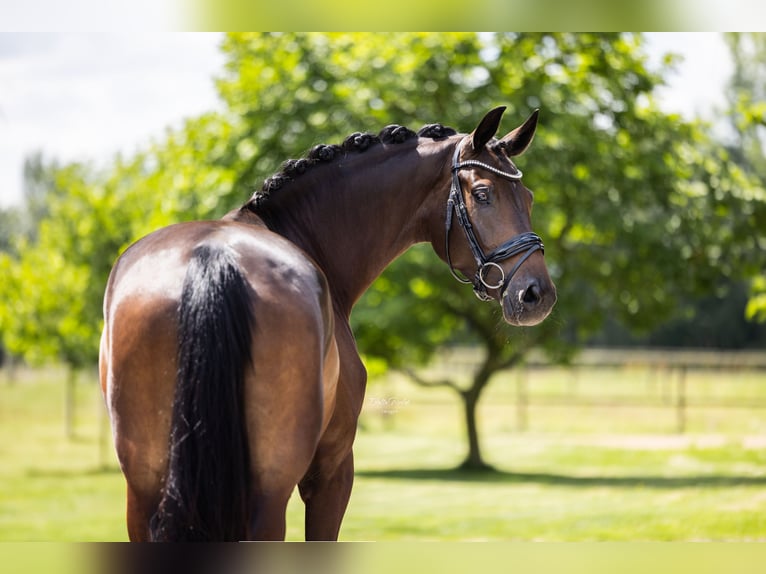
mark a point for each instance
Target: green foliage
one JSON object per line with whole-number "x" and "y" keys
{"x": 10, "y": 227}
{"x": 56, "y": 273}
{"x": 746, "y": 95}
{"x": 47, "y": 288}
{"x": 291, "y": 91}
{"x": 639, "y": 210}
{"x": 397, "y": 318}
{"x": 756, "y": 306}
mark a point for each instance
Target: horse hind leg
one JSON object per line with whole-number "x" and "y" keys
{"x": 284, "y": 411}
{"x": 139, "y": 396}
{"x": 326, "y": 488}
{"x": 326, "y": 494}
{"x": 140, "y": 509}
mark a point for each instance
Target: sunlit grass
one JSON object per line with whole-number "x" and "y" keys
{"x": 578, "y": 473}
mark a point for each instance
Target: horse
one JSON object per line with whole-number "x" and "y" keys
{"x": 227, "y": 362}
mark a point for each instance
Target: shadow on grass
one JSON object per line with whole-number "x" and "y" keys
{"x": 72, "y": 472}
{"x": 494, "y": 476}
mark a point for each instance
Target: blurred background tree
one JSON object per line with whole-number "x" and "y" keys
{"x": 643, "y": 214}
{"x": 747, "y": 100}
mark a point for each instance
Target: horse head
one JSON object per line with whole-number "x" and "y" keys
{"x": 499, "y": 253}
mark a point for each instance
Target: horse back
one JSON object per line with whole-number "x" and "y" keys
{"x": 146, "y": 281}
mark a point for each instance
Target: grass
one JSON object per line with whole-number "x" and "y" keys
{"x": 54, "y": 488}
{"x": 577, "y": 473}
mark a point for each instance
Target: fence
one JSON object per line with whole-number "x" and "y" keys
{"x": 666, "y": 376}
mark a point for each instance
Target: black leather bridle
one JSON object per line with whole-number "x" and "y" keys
{"x": 526, "y": 243}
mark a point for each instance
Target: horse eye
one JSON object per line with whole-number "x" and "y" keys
{"x": 481, "y": 194}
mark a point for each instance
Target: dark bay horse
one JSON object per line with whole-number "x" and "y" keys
{"x": 229, "y": 368}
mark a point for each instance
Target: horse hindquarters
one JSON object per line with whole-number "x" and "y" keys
{"x": 252, "y": 385}
{"x": 206, "y": 490}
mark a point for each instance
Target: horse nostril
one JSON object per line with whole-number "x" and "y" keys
{"x": 532, "y": 295}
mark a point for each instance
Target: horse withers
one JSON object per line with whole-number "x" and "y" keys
{"x": 227, "y": 362}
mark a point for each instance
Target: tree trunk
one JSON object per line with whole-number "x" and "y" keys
{"x": 470, "y": 398}
{"x": 474, "y": 460}
{"x": 10, "y": 366}
{"x": 493, "y": 362}
{"x": 70, "y": 402}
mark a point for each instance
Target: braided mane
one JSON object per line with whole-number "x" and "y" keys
{"x": 355, "y": 143}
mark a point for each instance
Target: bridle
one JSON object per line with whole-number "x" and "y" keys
{"x": 526, "y": 243}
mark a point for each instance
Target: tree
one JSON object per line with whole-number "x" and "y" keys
{"x": 50, "y": 282}
{"x": 10, "y": 227}
{"x": 289, "y": 86}
{"x": 747, "y": 100}
{"x": 55, "y": 276}
{"x": 416, "y": 308}
{"x": 636, "y": 207}
{"x": 56, "y": 267}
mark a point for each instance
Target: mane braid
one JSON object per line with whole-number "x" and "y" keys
{"x": 357, "y": 142}
{"x": 436, "y": 132}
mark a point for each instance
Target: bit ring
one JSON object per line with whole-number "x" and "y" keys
{"x": 483, "y": 271}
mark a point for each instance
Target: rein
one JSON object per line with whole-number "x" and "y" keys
{"x": 526, "y": 243}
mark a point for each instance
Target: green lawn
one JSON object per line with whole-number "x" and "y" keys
{"x": 578, "y": 473}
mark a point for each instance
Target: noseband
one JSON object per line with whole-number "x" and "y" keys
{"x": 526, "y": 243}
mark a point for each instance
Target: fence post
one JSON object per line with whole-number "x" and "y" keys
{"x": 522, "y": 422}
{"x": 681, "y": 401}
{"x": 70, "y": 402}
{"x": 666, "y": 383}
{"x": 574, "y": 379}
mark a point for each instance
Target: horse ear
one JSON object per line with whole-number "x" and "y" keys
{"x": 487, "y": 128}
{"x": 517, "y": 142}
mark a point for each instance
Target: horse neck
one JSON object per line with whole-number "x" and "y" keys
{"x": 357, "y": 216}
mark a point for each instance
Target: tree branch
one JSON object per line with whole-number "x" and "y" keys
{"x": 511, "y": 361}
{"x": 469, "y": 316}
{"x": 430, "y": 384}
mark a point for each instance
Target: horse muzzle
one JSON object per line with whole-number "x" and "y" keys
{"x": 527, "y": 301}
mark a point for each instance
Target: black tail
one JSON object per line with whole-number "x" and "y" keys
{"x": 205, "y": 496}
